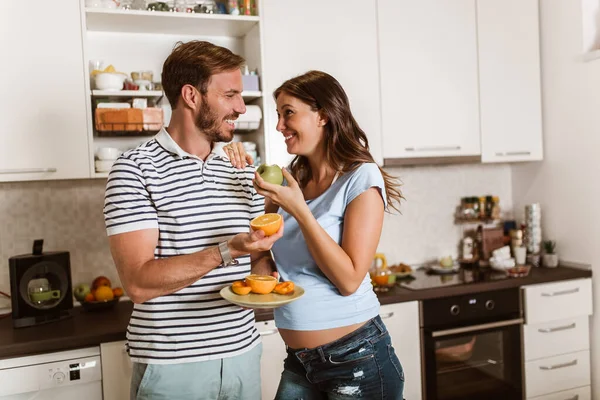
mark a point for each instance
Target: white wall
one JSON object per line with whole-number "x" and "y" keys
{"x": 567, "y": 182}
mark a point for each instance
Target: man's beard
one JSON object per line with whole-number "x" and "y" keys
{"x": 208, "y": 122}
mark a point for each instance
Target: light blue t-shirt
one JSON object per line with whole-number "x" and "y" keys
{"x": 322, "y": 306}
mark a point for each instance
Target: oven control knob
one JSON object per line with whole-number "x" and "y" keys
{"x": 490, "y": 304}
{"x": 454, "y": 310}
{"x": 59, "y": 377}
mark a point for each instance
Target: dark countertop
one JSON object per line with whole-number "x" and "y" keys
{"x": 92, "y": 328}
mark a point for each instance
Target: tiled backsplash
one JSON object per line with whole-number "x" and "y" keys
{"x": 68, "y": 216}
{"x": 426, "y": 230}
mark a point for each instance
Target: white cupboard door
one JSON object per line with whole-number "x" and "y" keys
{"x": 510, "y": 80}
{"x": 337, "y": 37}
{"x": 402, "y": 322}
{"x": 271, "y": 361}
{"x": 116, "y": 370}
{"x": 43, "y": 105}
{"x": 429, "y": 87}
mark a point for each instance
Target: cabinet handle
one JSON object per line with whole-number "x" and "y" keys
{"x": 433, "y": 148}
{"x": 269, "y": 332}
{"x": 27, "y": 170}
{"x": 558, "y": 328}
{"x": 557, "y": 366}
{"x": 576, "y": 397}
{"x": 561, "y": 292}
{"x": 386, "y": 316}
{"x": 514, "y": 153}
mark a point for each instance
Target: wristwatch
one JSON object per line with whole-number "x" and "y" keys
{"x": 226, "y": 255}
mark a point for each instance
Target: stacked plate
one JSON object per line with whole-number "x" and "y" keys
{"x": 533, "y": 220}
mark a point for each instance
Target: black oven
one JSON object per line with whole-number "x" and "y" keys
{"x": 472, "y": 346}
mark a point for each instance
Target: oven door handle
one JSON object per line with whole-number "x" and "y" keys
{"x": 473, "y": 328}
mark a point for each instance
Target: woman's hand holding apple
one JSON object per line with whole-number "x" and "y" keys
{"x": 289, "y": 197}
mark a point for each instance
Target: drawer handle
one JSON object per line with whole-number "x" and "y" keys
{"x": 557, "y": 366}
{"x": 27, "y": 170}
{"x": 433, "y": 148}
{"x": 558, "y": 328}
{"x": 561, "y": 292}
{"x": 514, "y": 153}
{"x": 576, "y": 397}
{"x": 386, "y": 316}
{"x": 269, "y": 332}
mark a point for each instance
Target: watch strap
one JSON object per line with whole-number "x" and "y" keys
{"x": 226, "y": 255}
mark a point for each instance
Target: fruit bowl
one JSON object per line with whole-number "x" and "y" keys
{"x": 99, "y": 305}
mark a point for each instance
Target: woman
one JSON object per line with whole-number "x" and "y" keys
{"x": 333, "y": 205}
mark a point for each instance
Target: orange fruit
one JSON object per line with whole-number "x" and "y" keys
{"x": 268, "y": 223}
{"x": 284, "y": 288}
{"x": 100, "y": 281}
{"x": 118, "y": 292}
{"x": 89, "y": 297}
{"x": 261, "y": 284}
{"x": 104, "y": 293}
{"x": 240, "y": 287}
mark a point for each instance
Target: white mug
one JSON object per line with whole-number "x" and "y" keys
{"x": 520, "y": 255}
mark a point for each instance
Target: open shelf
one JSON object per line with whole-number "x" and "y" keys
{"x": 100, "y": 175}
{"x": 127, "y": 93}
{"x": 160, "y": 22}
{"x": 251, "y": 95}
{"x": 247, "y": 95}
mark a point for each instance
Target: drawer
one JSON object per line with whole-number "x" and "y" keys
{"x": 555, "y": 301}
{"x": 559, "y": 373}
{"x": 556, "y": 337}
{"x": 582, "y": 393}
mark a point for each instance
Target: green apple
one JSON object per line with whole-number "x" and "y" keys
{"x": 81, "y": 291}
{"x": 271, "y": 173}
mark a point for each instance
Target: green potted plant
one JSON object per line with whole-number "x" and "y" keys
{"x": 550, "y": 258}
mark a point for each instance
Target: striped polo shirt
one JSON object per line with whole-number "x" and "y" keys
{"x": 194, "y": 204}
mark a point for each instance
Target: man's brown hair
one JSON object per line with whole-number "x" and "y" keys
{"x": 193, "y": 63}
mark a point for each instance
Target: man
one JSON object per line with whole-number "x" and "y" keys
{"x": 177, "y": 216}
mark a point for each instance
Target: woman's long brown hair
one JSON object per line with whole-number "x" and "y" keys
{"x": 346, "y": 145}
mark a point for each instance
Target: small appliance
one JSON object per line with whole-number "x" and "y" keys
{"x": 40, "y": 285}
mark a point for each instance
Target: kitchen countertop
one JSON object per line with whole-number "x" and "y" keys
{"x": 92, "y": 328}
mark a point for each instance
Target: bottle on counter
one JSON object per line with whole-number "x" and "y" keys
{"x": 496, "y": 207}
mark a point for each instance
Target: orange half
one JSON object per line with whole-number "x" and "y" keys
{"x": 261, "y": 284}
{"x": 268, "y": 223}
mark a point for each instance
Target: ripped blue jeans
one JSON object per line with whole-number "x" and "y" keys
{"x": 360, "y": 365}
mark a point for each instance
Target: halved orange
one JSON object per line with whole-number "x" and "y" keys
{"x": 268, "y": 223}
{"x": 240, "y": 287}
{"x": 261, "y": 284}
{"x": 284, "y": 287}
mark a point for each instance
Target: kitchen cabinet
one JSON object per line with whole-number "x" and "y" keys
{"x": 116, "y": 370}
{"x": 429, "y": 83}
{"x": 339, "y": 38}
{"x": 43, "y": 106}
{"x": 556, "y": 339}
{"x": 271, "y": 361}
{"x": 402, "y": 322}
{"x": 510, "y": 80}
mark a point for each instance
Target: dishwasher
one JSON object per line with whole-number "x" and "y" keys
{"x": 67, "y": 375}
